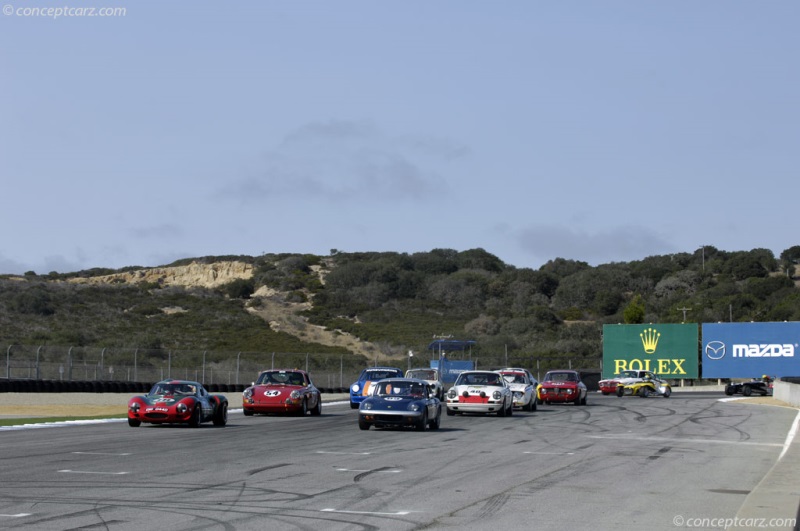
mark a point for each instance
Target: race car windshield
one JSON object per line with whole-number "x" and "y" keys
{"x": 422, "y": 375}
{"x": 627, "y": 374}
{"x": 380, "y": 375}
{"x": 281, "y": 378}
{"x": 560, "y": 377}
{"x": 479, "y": 379}
{"x": 400, "y": 389}
{"x": 514, "y": 378}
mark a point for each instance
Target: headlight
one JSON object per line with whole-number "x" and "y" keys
{"x": 413, "y": 406}
{"x": 134, "y": 407}
{"x": 354, "y": 388}
{"x": 517, "y": 394}
{"x": 182, "y": 408}
{"x": 366, "y": 405}
{"x": 247, "y": 393}
{"x": 451, "y": 393}
{"x": 496, "y": 395}
{"x": 295, "y": 394}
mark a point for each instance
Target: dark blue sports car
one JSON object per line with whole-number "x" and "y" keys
{"x": 401, "y": 402}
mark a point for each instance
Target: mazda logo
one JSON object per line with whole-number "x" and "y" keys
{"x": 715, "y": 350}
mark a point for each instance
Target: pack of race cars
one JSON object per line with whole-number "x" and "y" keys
{"x": 388, "y": 397}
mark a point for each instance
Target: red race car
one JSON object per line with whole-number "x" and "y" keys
{"x": 563, "y": 386}
{"x": 178, "y": 402}
{"x": 608, "y": 386}
{"x": 282, "y": 391}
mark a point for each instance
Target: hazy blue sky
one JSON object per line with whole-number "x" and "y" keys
{"x": 595, "y": 131}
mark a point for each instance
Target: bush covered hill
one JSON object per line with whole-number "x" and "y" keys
{"x": 388, "y": 303}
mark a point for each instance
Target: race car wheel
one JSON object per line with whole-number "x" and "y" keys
{"x": 221, "y": 414}
{"x": 247, "y": 413}
{"x": 353, "y": 405}
{"x": 502, "y": 411}
{"x": 317, "y": 411}
{"x": 729, "y": 390}
{"x": 667, "y": 392}
{"x": 530, "y": 406}
{"x": 303, "y": 409}
{"x": 450, "y": 412}
{"x": 510, "y": 410}
{"x": 363, "y": 425}
{"x": 583, "y": 401}
{"x": 620, "y": 391}
{"x": 423, "y": 421}
{"x": 577, "y": 400}
{"x": 644, "y": 392}
{"x": 197, "y": 414}
{"x": 435, "y": 423}
{"x": 747, "y": 391}
{"x": 133, "y": 423}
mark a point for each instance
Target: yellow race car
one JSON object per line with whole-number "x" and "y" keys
{"x": 649, "y": 384}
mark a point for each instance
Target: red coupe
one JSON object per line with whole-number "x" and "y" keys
{"x": 563, "y": 386}
{"x": 178, "y": 402}
{"x": 608, "y": 386}
{"x": 282, "y": 391}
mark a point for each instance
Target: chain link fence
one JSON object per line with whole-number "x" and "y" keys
{"x": 70, "y": 363}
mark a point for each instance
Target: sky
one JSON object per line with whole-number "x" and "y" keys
{"x": 594, "y": 131}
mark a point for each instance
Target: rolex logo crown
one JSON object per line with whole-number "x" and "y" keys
{"x": 650, "y": 340}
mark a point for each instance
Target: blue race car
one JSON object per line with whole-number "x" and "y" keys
{"x": 361, "y": 388}
{"x": 401, "y": 402}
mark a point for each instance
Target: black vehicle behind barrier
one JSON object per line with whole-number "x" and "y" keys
{"x": 760, "y": 386}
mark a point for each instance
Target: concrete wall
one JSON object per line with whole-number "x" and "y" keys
{"x": 787, "y": 392}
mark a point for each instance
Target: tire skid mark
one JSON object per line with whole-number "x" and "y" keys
{"x": 263, "y": 469}
{"x": 494, "y": 505}
{"x": 361, "y": 476}
{"x": 660, "y": 453}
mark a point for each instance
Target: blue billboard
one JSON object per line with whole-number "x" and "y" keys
{"x": 452, "y": 368}
{"x": 750, "y": 350}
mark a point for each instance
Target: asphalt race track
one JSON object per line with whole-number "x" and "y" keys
{"x": 618, "y": 463}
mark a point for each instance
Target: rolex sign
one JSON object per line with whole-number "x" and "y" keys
{"x": 669, "y": 350}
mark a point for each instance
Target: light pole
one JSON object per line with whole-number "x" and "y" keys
{"x": 703, "y": 250}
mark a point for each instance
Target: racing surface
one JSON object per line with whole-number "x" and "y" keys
{"x": 616, "y": 463}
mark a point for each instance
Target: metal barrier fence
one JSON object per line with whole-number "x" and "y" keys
{"x": 64, "y": 363}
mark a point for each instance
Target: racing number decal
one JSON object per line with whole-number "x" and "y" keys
{"x": 272, "y": 392}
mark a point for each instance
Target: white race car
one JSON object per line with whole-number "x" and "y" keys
{"x": 523, "y": 386}
{"x": 432, "y": 377}
{"x": 480, "y": 392}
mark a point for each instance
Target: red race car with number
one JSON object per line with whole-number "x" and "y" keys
{"x": 563, "y": 386}
{"x": 178, "y": 402}
{"x": 282, "y": 391}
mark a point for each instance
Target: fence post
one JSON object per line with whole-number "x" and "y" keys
{"x": 8, "y": 362}
{"x": 237, "y": 366}
{"x": 38, "y": 370}
{"x": 306, "y": 361}
{"x": 135, "y": 372}
{"x": 273, "y": 361}
{"x": 203, "y": 381}
{"x": 341, "y": 370}
{"x": 169, "y": 364}
{"x": 69, "y": 364}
